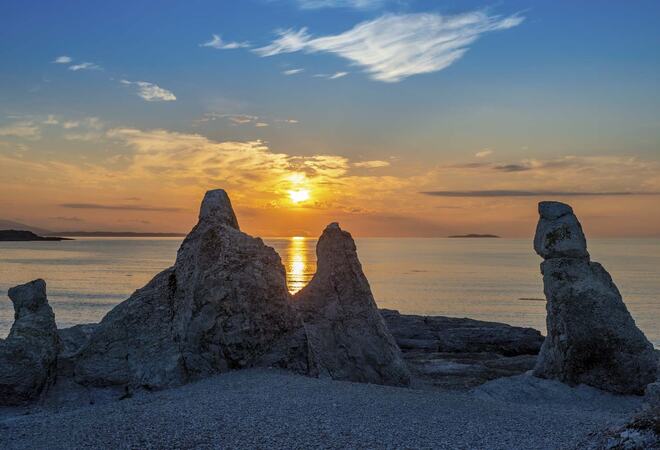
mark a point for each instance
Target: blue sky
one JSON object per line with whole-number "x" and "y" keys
{"x": 518, "y": 82}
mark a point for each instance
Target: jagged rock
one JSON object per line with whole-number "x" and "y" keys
{"x": 457, "y": 353}
{"x": 223, "y": 305}
{"x": 348, "y": 336}
{"x": 29, "y": 354}
{"x": 592, "y": 338}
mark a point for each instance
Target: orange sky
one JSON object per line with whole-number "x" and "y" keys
{"x": 153, "y": 180}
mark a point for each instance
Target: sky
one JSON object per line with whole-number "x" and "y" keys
{"x": 392, "y": 117}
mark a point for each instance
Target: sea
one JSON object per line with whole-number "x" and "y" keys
{"x": 487, "y": 279}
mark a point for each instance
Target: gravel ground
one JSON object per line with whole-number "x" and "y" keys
{"x": 273, "y": 409}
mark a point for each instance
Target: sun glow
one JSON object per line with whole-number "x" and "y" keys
{"x": 299, "y": 195}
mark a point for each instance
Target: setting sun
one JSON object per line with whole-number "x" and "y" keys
{"x": 299, "y": 195}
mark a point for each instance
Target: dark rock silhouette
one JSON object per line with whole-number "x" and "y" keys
{"x": 28, "y": 356}
{"x": 347, "y": 334}
{"x": 592, "y": 338}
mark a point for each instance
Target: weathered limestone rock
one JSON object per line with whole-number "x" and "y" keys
{"x": 223, "y": 305}
{"x": 29, "y": 354}
{"x": 592, "y": 338}
{"x": 348, "y": 336}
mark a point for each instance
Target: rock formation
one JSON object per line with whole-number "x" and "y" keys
{"x": 347, "y": 334}
{"x": 592, "y": 338}
{"x": 29, "y": 354}
{"x": 223, "y": 305}
{"x": 460, "y": 353}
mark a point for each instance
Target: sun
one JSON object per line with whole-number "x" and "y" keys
{"x": 299, "y": 195}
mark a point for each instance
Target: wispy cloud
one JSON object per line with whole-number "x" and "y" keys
{"x": 293, "y": 71}
{"x": 117, "y": 207}
{"x": 540, "y": 193}
{"x": 25, "y": 129}
{"x": 62, "y": 60}
{"x": 331, "y": 76}
{"x": 84, "y": 66}
{"x": 483, "y": 153}
{"x": 67, "y": 219}
{"x": 217, "y": 43}
{"x": 151, "y": 92}
{"x": 371, "y": 164}
{"x": 394, "y": 47}
{"x": 355, "y": 4}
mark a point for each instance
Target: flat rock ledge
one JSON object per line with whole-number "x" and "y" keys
{"x": 459, "y": 353}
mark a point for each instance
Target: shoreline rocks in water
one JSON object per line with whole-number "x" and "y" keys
{"x": 592, "y": 338}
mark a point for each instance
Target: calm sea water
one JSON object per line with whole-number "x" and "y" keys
{"x": 488, "y": 279}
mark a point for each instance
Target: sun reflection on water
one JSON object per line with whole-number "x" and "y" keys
{"x": 300, "y": 263}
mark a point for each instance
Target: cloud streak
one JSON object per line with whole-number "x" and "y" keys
{"x": 217, "y": 43}
{"x": 520, "y": 193}
{"x": 84, "y": 66}
{"x": 354, "y": 4}
{"x": 393, "y": 47}
{"x": 118, "y": 207}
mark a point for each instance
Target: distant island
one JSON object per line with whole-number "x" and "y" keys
{"x": 23, "y": 235}
{"x": 117, "y": 234}
{"x": 474, "y": 236}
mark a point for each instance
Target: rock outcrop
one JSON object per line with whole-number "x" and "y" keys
{"x": 346, "y": 332}
{"x": 460, "y": 353}
{"x": 28, "y": 357}
{"x": 592, "y": 338}
{"x": 223, "y": 305}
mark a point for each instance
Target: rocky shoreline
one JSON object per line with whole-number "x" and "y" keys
{"x": 224, "y": 307}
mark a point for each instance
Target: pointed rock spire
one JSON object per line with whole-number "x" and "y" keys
{"x": 29, "y": 354}
{"x": 216, "y": 208}
{"x": 348, "y": 336}
{"x": 591, "y": 337}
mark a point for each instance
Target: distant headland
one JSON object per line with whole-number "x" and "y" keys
{"x": 472, "y": 235}
{"x": 10, "y": 225}
{"x": 117, "y": 234}
{"x": 23, "y": 235}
